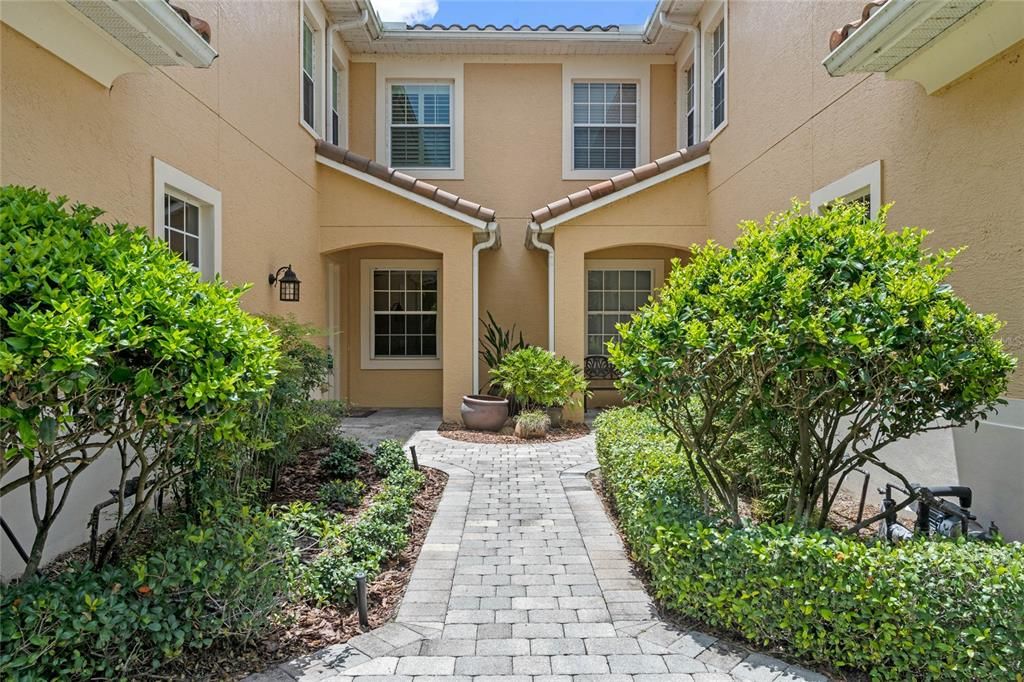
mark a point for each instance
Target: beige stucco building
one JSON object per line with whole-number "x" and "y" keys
{"x": 525, "y": 184}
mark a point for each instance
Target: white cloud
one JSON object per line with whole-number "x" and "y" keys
{"x": 409, "y": 11}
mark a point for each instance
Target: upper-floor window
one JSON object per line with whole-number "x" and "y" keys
{"x": 863, "y": 186}
{"x": 308, "y": 74}
{"x": 604, "y": 125}
{"x": 420, "y": 125}
{"x": 335, "y": 106}
{"x": 691, "y": 107}
{"x": 187, "y": 218}
{"x": 718, "y": 75}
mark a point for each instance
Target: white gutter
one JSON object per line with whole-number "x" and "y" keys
{"x": 333, "y": 28}
{"x": 534, "y": 231}
{"x": 492, "y": 242}
{"x": 625, "y": 34}
{"x": 158, "y": 23}
{"x": 876, "y": 34}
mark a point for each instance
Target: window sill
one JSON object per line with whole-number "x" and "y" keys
{"x": 714, "y": 133}
{"x": 603, "y": 174}
{"x": 425, "y": 363}
{"x": 432, "y": 173}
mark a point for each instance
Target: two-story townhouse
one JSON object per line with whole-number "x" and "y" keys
{"x": 417, "y": 177}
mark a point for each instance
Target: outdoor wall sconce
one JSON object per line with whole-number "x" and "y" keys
{"x": 289, "y": 281}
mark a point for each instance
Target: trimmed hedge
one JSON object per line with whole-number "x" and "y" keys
{"x": 925, "y": 609}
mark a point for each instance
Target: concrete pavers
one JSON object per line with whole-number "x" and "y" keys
{"x": 522, "y": 576}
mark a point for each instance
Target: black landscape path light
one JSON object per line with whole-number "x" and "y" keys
{"x": 289, "y": 283}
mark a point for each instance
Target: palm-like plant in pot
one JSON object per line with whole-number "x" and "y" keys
{"x": 537, "y": 378}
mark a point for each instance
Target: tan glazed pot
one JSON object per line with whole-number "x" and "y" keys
{"x": 484, "y": 412}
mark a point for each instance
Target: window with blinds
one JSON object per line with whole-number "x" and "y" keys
{"x": 308, "y": 75}
{"x": 420, "y": 125}
{"x": 718, "y": 75}
{"x": 604, "y": 125}
{"x": 612, "y": 297}
{"x": 404, "y": 311}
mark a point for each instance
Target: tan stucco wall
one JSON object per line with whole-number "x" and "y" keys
{"x": 357, "y": 221}
{"x": 951, "y": 161}
{"x": 65, "y": 132}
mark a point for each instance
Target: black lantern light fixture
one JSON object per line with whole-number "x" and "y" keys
{"x": 289, "y": 281}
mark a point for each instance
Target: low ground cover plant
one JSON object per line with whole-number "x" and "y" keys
{"x": 343, "y": 494}
{"x": 343, "y": 459}
{"x": 532, "y": 424}
{"x": 923, "y": 609}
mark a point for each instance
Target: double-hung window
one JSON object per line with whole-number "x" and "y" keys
{"x": 335, "y": 117}
{"x": 718, "y": 75}
{"x": 308, "y": 74}
{"x": 604, "y": 125}
{"x": 187, "y": 217}
{"x": 404, "y": 313}
{"x": 181, "y": 227}
{"x": 613, "y": 295}
{"x": 691, "y": 107}
{"x": 420, "y": 125}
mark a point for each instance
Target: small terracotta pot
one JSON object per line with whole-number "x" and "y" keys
{"x": 555, "y": 415}
{"x": 484, "y": 412}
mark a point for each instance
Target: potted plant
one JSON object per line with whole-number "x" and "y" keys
{"x": 489, "y": 410}
{"x": 484, "y": 412}
{"x": 538, "y": 379}
{"x": 532, "y": 424}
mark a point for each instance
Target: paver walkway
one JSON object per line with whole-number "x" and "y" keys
{"x": 522, "y": 577}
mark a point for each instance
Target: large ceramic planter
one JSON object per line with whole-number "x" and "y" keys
{"x": 555, "y": 415}
{"x": 484, "y": 412}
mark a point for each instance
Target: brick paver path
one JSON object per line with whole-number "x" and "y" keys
{"x": 522, "y": 577}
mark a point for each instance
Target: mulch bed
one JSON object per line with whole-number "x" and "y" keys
{"x": 304, "y": 628}
{"x": 456, "y": 431}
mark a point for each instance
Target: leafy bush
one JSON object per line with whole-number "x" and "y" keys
{"x": 342, "y": 493}
{"x": 110, "y": 341}
{"x": 811, "y": 325}
{"x": 212, "y": 581}
{"x": 389, "y": 457}
{"x": 537, "y": 378}
{"x": 343, "y": 459}
{"x": 923, "y": 609}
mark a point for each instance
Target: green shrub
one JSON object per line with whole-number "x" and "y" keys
{"x": 343, "y": 459}
{"x": 389, "y": 457}
{"x": 811, "y": 325}
{"x": 338, "y": 550}
{"x": 533, "y": 420}
{"x": 918, "y": 610}
{"x": 111, "y": 339}
{"x": 538, "y": 378}
{"x": 342, "y": 493}
{"x": 217, "y": 580}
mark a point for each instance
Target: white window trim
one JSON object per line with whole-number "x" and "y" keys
{"x": 868, "y": 178}
{"x": 366, "y": 268}
{"x": 167, "y": 177}
{"x": 638, "y": 72}
{"x": 688, "y": 55}
{"x": 716, "y": 13}
{"x": 342, "y": 103}
{"x": 419, "y": 171}
{"x": 314, "y": 16}
{"x": 411, "y": 72}
{"x": 656, "y": 265}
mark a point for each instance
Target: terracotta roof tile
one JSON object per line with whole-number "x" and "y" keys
{"x": 404, "y": 181}
{"x": 840, "y": 34}
{"x": 618, "y": 183}
{"x": 198, "y": 25}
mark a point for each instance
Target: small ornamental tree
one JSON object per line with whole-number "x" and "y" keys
{"x": 831, "y": 334}
{"x": 111, "y": 344}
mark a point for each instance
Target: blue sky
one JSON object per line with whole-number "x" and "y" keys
{"x": 516, "y": 11}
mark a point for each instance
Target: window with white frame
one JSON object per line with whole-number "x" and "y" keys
{"x": 404, "y": 313}
{"x": 186, "y": 215}
{"x": 863, "y": 185}
{"x": 308, "y": 73}
{"x": 691, "y": 106}
{"x": 604, "y": 125}
{"x": 718, "y": 75}
{"x": 614, "y": 293}
{"x": 335, "y": 106}
{"x": 420, "y": 125}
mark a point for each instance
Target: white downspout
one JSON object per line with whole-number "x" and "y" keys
{"x": 698, "y": 66}
{"x": 477, "y": 248}
{"x": 363, "y": 19}
{"x": 535, "y": 241}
